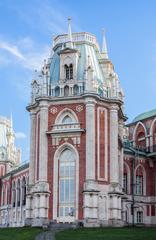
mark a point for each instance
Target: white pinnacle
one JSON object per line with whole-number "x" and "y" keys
{"x": 104, "y": 46}
{"x": 70, "y": 32}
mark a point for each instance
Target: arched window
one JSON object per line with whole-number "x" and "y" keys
{"x": 140, "y": 140}
{"x": 139, "y": 181}
{"x": 18, "y": 192}
{"x": 68, "y": 71}
{"x": 67, "y": 119}
{"x": 13, "y": 194}
{"x": 139, "y": 136}
{"x": 67, "y": 184}
{"x": 23, "y": 191}
{"x": 57, "y": 91}
{"x": 76, "y": 90}
{"x": 66, "y": 91}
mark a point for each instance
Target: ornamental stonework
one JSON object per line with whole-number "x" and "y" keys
{"x": 53, "y": 110}
{"x": 79, "y": 108}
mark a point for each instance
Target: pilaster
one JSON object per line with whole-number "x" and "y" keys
{"x": 32, "y": 148}
{"x": 114, "y": 166}
{"x": 90, "y": 139}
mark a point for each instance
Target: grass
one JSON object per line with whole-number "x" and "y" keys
{"x": 25, "y": 233}
{"x": 108, "y": 234}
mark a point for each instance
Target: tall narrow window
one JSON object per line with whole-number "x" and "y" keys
{"x": 76, "y": 90}
{"x": 66, "y": 91}
{"x": 57, "y": 91}
{"x": 23, "y": 191}
{"x": 71, "y": 71}
{"x": 67, "y": 185}
{"x": 18, "y": 193}
{"x": 8, "y": 194}
{"x": 139, "y": 181}
{"x": 125, "y": 182}
{"x": 3, "y": 196}
{"x": 13, "y": 194}
{"x": 139, "y": 185}
{"x": 139, "y": 217}
{"x": 68, "y": 71}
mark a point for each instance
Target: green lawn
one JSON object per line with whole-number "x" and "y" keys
{"x": 108, "y": 234}
{"x": 25, "y": 233}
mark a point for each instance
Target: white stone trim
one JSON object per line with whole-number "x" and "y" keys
{"x": 55, "y": 178}
{"x": 114, "y": 163}
{"x": 105, "y": 111}
{"x": 63, "y": 113}
{"x": 151, "y": 133}
{"x": 90, "y": 139}
{"x": 135, "y": 130}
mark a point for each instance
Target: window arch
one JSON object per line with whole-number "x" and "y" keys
{"x": 66, "y": 112}
{"x": 139, "y": 135}
{"x": 67, "y": 119}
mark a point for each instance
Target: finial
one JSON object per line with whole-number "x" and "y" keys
{"x": 70, "y": 32}
{"x": 104, "y": 45}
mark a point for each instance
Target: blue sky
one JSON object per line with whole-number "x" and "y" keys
{"x": 26, "y": 30}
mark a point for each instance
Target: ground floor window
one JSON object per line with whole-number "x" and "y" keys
{"x": 139, "y": 217}
{"x": 67, "y": 184}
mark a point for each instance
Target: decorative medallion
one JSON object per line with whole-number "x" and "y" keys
{"x": 53, "y": 110}
{"x": 79, "y": 108}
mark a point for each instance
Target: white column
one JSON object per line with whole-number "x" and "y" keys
{"x": 32, "y": 149}
{"x": 114, "y": 168}
{"x": 43, "y": 154}
{"x": 121, "y": 164}
{"x": 90, "y": 139}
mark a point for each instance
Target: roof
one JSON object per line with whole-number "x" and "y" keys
{"x": 85, "y": 49}
{"x": 145, "y": 115}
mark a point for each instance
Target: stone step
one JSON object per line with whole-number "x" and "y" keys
{"x": 55, "y": 225}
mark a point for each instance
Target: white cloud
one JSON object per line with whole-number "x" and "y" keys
{"x": 20, "y": 135}
{"x": 12, "y": 49}
{"x": 28, "y": 54}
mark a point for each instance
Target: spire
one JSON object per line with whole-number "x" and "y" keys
{"x": 70, "y": 33}
{"x": 104, "y": 45}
